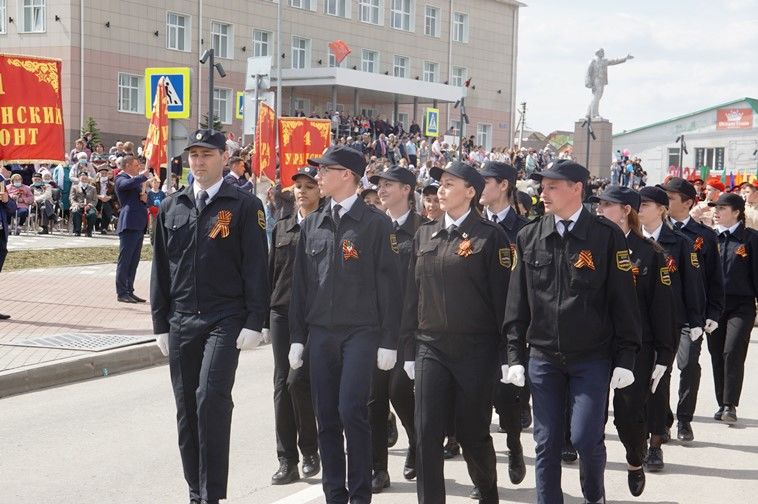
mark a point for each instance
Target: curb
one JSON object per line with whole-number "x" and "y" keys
{"x": 83, "y": 367}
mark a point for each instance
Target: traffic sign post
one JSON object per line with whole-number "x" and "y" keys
{"x": 177, "y": 90}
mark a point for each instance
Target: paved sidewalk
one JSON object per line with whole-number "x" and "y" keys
{"x": 64, "y": 300}
{"x": 33, "y": 241}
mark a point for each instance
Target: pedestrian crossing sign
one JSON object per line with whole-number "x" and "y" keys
{"x": 432, "y": 122}
{"x": 239, "y": 112}
{"x": 177, "y": 90}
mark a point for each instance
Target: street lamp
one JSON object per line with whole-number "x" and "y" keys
{"x": 208, "y": 56}
{"x": 461, "y": 103}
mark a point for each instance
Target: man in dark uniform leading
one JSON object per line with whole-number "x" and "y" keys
{"x": 345, "y": 304}
{"x": 209, "y": 295}
{"x": 572, "y": 299}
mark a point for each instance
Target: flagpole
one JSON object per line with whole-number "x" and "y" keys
{"x": 278, "y": 59}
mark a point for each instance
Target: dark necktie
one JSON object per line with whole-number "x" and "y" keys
{"x": 395, "y": 225}
{"x": 450, "y": 230}
{"x": 336, "y": 214}
{"x": 725, "y": 236}
{"x": 494, "y": 218}
{"x": 202, "y": 201}
{"x": 678, "y": 226}
{"x": 566, "y": 224}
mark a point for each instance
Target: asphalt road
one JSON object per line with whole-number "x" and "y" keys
{"x": 114, "y": 440}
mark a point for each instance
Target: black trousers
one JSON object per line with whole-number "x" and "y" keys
{"x": 342, "y": 361}
{"x": 728, "y": 348}
{"x": 659, "y": 416}
{"x": 129, "y": 251}
{"x": 629, "y": 407}
{"x": 393, "y": 385}
{"x": 203, "y": 360}
{"x": 687, "y": 357}
{"x": 76, "y": 219}
{"x": 106, "y": 215}
{"x": 463, "y": 382}
{"x": 293, "y": 410}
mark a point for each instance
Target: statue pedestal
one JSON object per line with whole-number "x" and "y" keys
{"x": 601, "y": 148}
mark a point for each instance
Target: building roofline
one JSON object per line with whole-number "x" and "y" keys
{"x": 751, "y": 101}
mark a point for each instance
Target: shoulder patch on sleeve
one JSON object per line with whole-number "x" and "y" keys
{"x": 504, "y": 255}
{"x": 694, "y": 260}
{"x": 262, "y": 219}
{"x": 623, "y": 262}
{"x": 665, "y": 277}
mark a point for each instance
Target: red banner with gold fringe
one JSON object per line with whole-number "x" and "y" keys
{"x": 156, "y": 146}
{"x": 31, "y": 110}
{"x": 299, "y": 139}
{"x": 264, "y": 157}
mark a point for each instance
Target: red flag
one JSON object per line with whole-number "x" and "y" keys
{"x": 264, "y": 159}
{"x": 339, "y": 49}
{"x": 156, "y": 146}
{"x": 300, "y": 139}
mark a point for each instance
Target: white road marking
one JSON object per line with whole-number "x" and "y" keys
{"x": 302, "y": 496}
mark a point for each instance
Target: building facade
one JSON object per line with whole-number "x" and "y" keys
{"x": 432, "y": 46}
{"x": 719, "y": 139}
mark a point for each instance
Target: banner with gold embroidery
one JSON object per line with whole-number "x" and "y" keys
{"x": 31, "y": 110}
{"x": 264, "y": 159}
{"x": 156, "y": 145}
{"x": 299, "y": 139}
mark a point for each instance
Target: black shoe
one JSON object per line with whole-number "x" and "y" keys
{"x": 452, "y": 449}
{"x": 568, "y": 454}
{"x": 730, "y": 414}
{"x": 516, "y": 467}
{"x": 391, "y": 430}
{"x": 311, "y": 465}
{"x": 77, "y": 234}
{"x": 526, "y": 417}
{"x": 137, "y": 298}
{"x": 636, "y": 480}
{"x": 409, "y": 468}
{"x": 654, "y": 461}
{"x": 126, "y": 299}
{"x": 380, "y": 481}
{"x": 719, "y": 412}
{"x": 684, "y": 431}
{"x": 103, "y": 232}
{"x": 89, "y": 234}
{"x": 43, "y": 231}
{"x": 286, "y": 474}
{"x": 475, "y": 494}
{"x": 3, "y": 316}
{"x": 666, "y": 437}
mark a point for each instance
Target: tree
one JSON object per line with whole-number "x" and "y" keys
{"x": 216, "y": 123}
{"x": 90, "y": 129}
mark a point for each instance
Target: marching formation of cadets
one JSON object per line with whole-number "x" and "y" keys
{"x": 445, "y": 318}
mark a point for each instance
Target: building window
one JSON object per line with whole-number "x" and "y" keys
{"x": 402, "y": 15}
{"x": 369, "y": 61}
{"x": 674, "y": 157}
{"x": 456, "y": 127}
{"x": 340, "y": 8}
{"x": 178, "y": 31}
{"x": 371, "y": 11}
{"x": 401, "y": 66}
{"x": 222, "y": 105}
{"x": 367, "y": 112}
{"x": 222, "y": 38}
{"x": 460, "y": 27}
{"x": 484, "y": 136}
{"x": 459, "y": 76}
{"x": 431, "y": 21}
{"x": 32, "y": 16}
{"x": 709, "y": 158}
{"x": 301, "y": 49}
{"x": 301, "y": 105}
{"x": 3, "y": 13}
{"x": 430, "y": 71}
{"x": 131, "y": 93}
{"x": 261, "y": 43}
{"x": 303, "y": 4}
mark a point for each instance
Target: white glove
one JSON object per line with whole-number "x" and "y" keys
{"x": 296, "y": 355}
{"x": 655, "y": 378}
{"x": 266, "y": 336}
{"x": 504, "y": 372}
{"x": 162, "y": 341}
{"x": 386, "y": 359}
{"x": 711, "y": 325}
{"x": 410, "y": 369}
{"x": 696, "y": 333}
{"x": 621, "y": 378}
{"x": 248, "y": 339}
{"x": 516, "y": 375}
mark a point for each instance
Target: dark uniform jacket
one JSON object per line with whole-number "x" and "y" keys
{"x": 710, "y": 266}
{"x": 195, "y": 272}
{"x": 451, "y": 298}
{"x": 512, "y": 224}
{"x": 654, "y": 297}
{"x": 687, "y": 282}
{"x": 572, "y": 299}
{"x": 281, "y": 257}
{"x": 347, "y": 277}
{"x": 739, "y": 257}
{"x": 405, "y": 234}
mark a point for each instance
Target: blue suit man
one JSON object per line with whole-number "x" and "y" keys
{"x": 132, "y": 221}
{"x": 236, "y": 175}
{"x": 7, "y": 210}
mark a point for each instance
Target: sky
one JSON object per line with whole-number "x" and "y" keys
{"x": 688, "y": 55}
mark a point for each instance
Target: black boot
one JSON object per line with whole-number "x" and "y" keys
{"x": 380, "y": 481}
{"x": 516, "y": 467}
{"x": 286, "y": 474}
{"x": 311, "y": 465}
{"x": 475, "y": 494}
{"x": 719, "y": 412}
{"x": 730, "y": 414}
{"x": 452, "y": 448}
{"x": 636, "y": 480}
{"x": 409, "y": 469}
{"x": 526, "y": 417}
{"x": 568, "y": 454}
{"x": 391, "y": 430}
{"x": 684, "y": 431}
{"x": 654, "y": 461}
